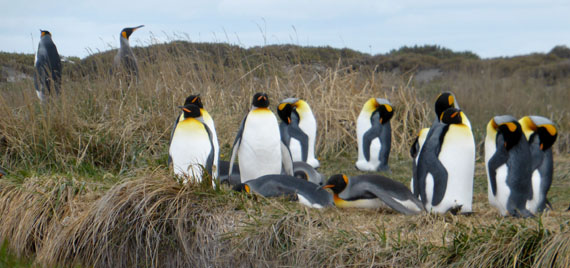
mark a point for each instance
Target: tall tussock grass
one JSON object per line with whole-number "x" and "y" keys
{"x": 89, "y": 185}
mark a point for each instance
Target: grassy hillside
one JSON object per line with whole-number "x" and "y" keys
{"x": 89, "y": 184}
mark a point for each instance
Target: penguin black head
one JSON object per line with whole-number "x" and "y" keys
{"x": 337, "y": 183}
{"x": 242, "y": 187}
{"x": 451, "y": 116}
{"x": 126, "y": 32}
{"x": 547, "y": 135}
{"x": 444, "y": 101}
{"x": 386, "y": 112}
{"x": 260, "y": 100}
{"x": 194, "y": 99}
{"x": 284, "y": 110}
{"x": 510, "y": 129}
{"x": 191, "y": 110}
{"x": 44, "y": 33}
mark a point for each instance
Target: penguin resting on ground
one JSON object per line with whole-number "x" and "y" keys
{"x": 258, "y": 143}
{"x": 446, "y": 165}
{"x": 191, "y": 147}
{"x": 48, "y": 67}
{"x": 509, "y": 167}
{"x": 541, "y": 134}
{"x": 369, "y": 191}
{"x": 298, "y": 130}
{"x": 374, "y": 135}
{"x": 307, "y": 193}
{"x": 125, "y": 59}
{"x": 301, "y": 170}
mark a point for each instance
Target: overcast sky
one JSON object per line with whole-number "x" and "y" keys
{"x": 489, "y": 28}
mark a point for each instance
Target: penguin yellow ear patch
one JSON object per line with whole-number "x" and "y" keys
{"x": 551, "y": 129}
{"x": 281, "y": 106}
{"x": 450, "y": 100}
{"x": 512, "y": 127}
{"x": 124, "y": 34}
{"x": 194, "y": 100}
{"x": 345, "y": 178}
{"x": 246, "y": 187}
{"x": 388, "y": 108}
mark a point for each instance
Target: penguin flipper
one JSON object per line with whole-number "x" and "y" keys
{"x": 367, "y": 139}
{"x": 235, "y": 147}
{"x": 284, "y": 131}
{"x": 439, "y": 174}
{"x": 498, "y": 159}
{"x": 287, "y": 160}
{"x": 384, "y": 154}
{"x": 210, "y": 159}
{"x": 298, "y": 134}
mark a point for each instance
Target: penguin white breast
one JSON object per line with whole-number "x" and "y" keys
{"x": 190, "y": 148}
{"x": 457, "y": 155}
{"x": 260, "y": 149}
{"x": 362, "y": 125}
{"x": 305, "y": 201}
{"x": 503, "y": 190}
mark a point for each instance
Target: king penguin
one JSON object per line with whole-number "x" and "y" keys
{"x": 307, "y": 193}
{"x": 444, "y": 101}
{"x": 541, "y": 134}
{"x": 125, "y": 59}
{"x": 369, "y": 191}
{"x": 258, "y": 143}
{"x": 192, "y": 146}
{"x": 446, "y": 165}
{"x": 374, "y": 135}
{"x": 298, "y": 129}
{"x": 196, "y": 100}
{"x": 48, "y": 67}
{"x": 509, "y": 166}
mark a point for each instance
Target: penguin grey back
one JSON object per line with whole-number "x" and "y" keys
{"x": 285, "y": 185}
{"x": 48, "y": 66}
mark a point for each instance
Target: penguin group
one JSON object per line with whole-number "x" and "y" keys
{"x": 278, "y": 159}
{"x": 274, "y": 158}
{"x": 48, "y": 67}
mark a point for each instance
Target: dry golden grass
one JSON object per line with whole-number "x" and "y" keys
{"x": 88, "y": 182}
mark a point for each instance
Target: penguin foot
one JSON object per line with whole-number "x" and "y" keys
{"x": 455, "y": 210}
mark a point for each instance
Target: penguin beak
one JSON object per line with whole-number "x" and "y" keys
{"x": 136, "y": 28}
{"x": 185, "y": 109}
{"x": 327, "y": 186}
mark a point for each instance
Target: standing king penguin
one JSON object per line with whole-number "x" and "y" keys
{"x": 298, "y": 130}
{"x": 541, "y": 134}
{"x": 374, "y": 135}
{"x": 48, "y": 67}
{"x": 258, "y": 143}
{"x": 446, "y": 165}
{"x": 125, "y": 59}
{"x": 444, "y": 101}
{"x": 509, "y": 166}
{"x": 192, "y": 147}
{"x": 196, "y": 100}
{"x": 370, "y": 191}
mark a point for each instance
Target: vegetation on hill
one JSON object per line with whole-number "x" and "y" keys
{"x": 88, "y": 182}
